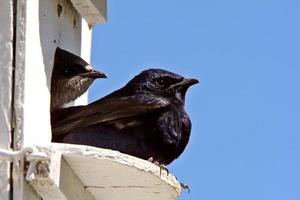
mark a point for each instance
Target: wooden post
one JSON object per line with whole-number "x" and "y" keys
{"x": 41, "y": 26}
{"x": 6, "y": 80}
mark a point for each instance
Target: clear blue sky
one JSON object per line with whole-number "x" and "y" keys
{"x": 245, "y": 141}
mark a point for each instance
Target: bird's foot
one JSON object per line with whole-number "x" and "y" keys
{"x": 185, "y": 187}
{"x": 161, "y": 166}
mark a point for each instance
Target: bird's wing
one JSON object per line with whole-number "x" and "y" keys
{"x": 105, "y": 111}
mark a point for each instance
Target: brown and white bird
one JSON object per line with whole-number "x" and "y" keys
{"x": 71, "y": 77}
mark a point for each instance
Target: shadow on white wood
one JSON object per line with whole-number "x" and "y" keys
{"x": 83, "y": 172}
{"x": 6, "y": 65}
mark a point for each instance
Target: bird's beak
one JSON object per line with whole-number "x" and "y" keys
{"x": 184, "y": 84}
{"x": 93, "y": 74}
{"x": 189, "y": 82}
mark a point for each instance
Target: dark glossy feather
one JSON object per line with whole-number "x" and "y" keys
{"x": 112, "y": 109}
{"x": 145, "y": 118}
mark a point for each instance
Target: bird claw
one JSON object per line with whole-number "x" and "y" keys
{"x": 185, "y": 187}
{"x": 161, "y": 166}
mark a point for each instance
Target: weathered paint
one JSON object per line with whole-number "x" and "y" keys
{"x": 53, "y": 30}
{"x": 69, "y": 181}
{"x": 18, "y": 167}
{"x": 93, "y": 173}
{"x": 6, "y": 66}
{"x": 48, "y": 29}
{"x": 93, "y": 11}
{"x": 86, "y": 41}
{"x": 31, "y": 194}
{"x": 41, "y": 27}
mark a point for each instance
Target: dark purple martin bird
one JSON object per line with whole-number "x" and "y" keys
{"x": 71, "y": 77}
{"x": 145, "y": 118}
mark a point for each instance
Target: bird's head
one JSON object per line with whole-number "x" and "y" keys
{"x": 162, "y": 83}
{"x": 68, "y": 65}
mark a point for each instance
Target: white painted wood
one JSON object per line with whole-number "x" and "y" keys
{"x": 71, "y": 185}
{"x": 93, "y": 11}
{"x": 30, "y": 193}
{"x": 40, "y": 29}
{"x": 36, "y": 88}
{"x": 47, "y": 189}
{"x": 86, "y": 41}
{"x": 19, "y": 73}
{"x": 18, "y": 167}
{"x": 49, "y": 23}
{"x": 6, "y": 64}
{"x": 106, "y": 174}
{"x": 48, "y": 29}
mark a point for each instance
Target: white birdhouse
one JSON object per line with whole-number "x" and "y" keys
{"x": 31, "y": 30}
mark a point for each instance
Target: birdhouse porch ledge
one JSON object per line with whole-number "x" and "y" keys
{"x": 81, "y": 172}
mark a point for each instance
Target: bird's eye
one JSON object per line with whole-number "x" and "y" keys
{"x": 66, "y": 71}
{"x": 160, "y": 81}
